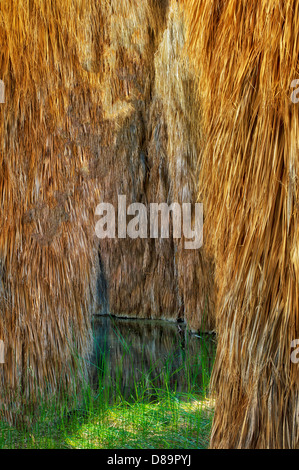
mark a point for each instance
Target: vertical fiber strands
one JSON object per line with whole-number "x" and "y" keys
{"x": 246, "y": 56}
{"x": 147, "y": 93}
{"x": 49, "y": 134}
{"x": 176, "y": 90}
{"x": 137, "y": 276}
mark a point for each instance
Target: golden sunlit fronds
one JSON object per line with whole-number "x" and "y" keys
{"x": 246, "y": 56}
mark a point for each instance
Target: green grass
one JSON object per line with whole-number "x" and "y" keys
{"x": 167, "y": 424}
{"x": 154, "y": 414}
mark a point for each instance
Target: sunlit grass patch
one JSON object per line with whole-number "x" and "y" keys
{"x": 167, "y": 424}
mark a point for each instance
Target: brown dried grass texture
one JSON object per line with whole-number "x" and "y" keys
{"x": 133, "y": 271}
{"x": 246, "y": 56}
{"x": 86, "y": 119}
{"x": 153, "y": 160}
{"x": 176, "y": 89}
{"x": 49, "y": 136}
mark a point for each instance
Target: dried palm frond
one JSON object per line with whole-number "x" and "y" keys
{"x": 49, "y": 135}
{"x": 153, "y": 159}
{"x": 97, "y": 104}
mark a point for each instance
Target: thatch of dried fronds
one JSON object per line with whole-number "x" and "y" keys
{"x": 133, "y": 29}
{"x": 176, "y": 89}
{"x": 49, "y": 135}
{"x": 246, "y": 56}
{"x": 135, "y": 278}
{"x": 148, "y": 92}
{"x": 97, "y": 104}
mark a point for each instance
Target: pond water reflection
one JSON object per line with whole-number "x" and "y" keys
{"x": 140, "y": 356}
